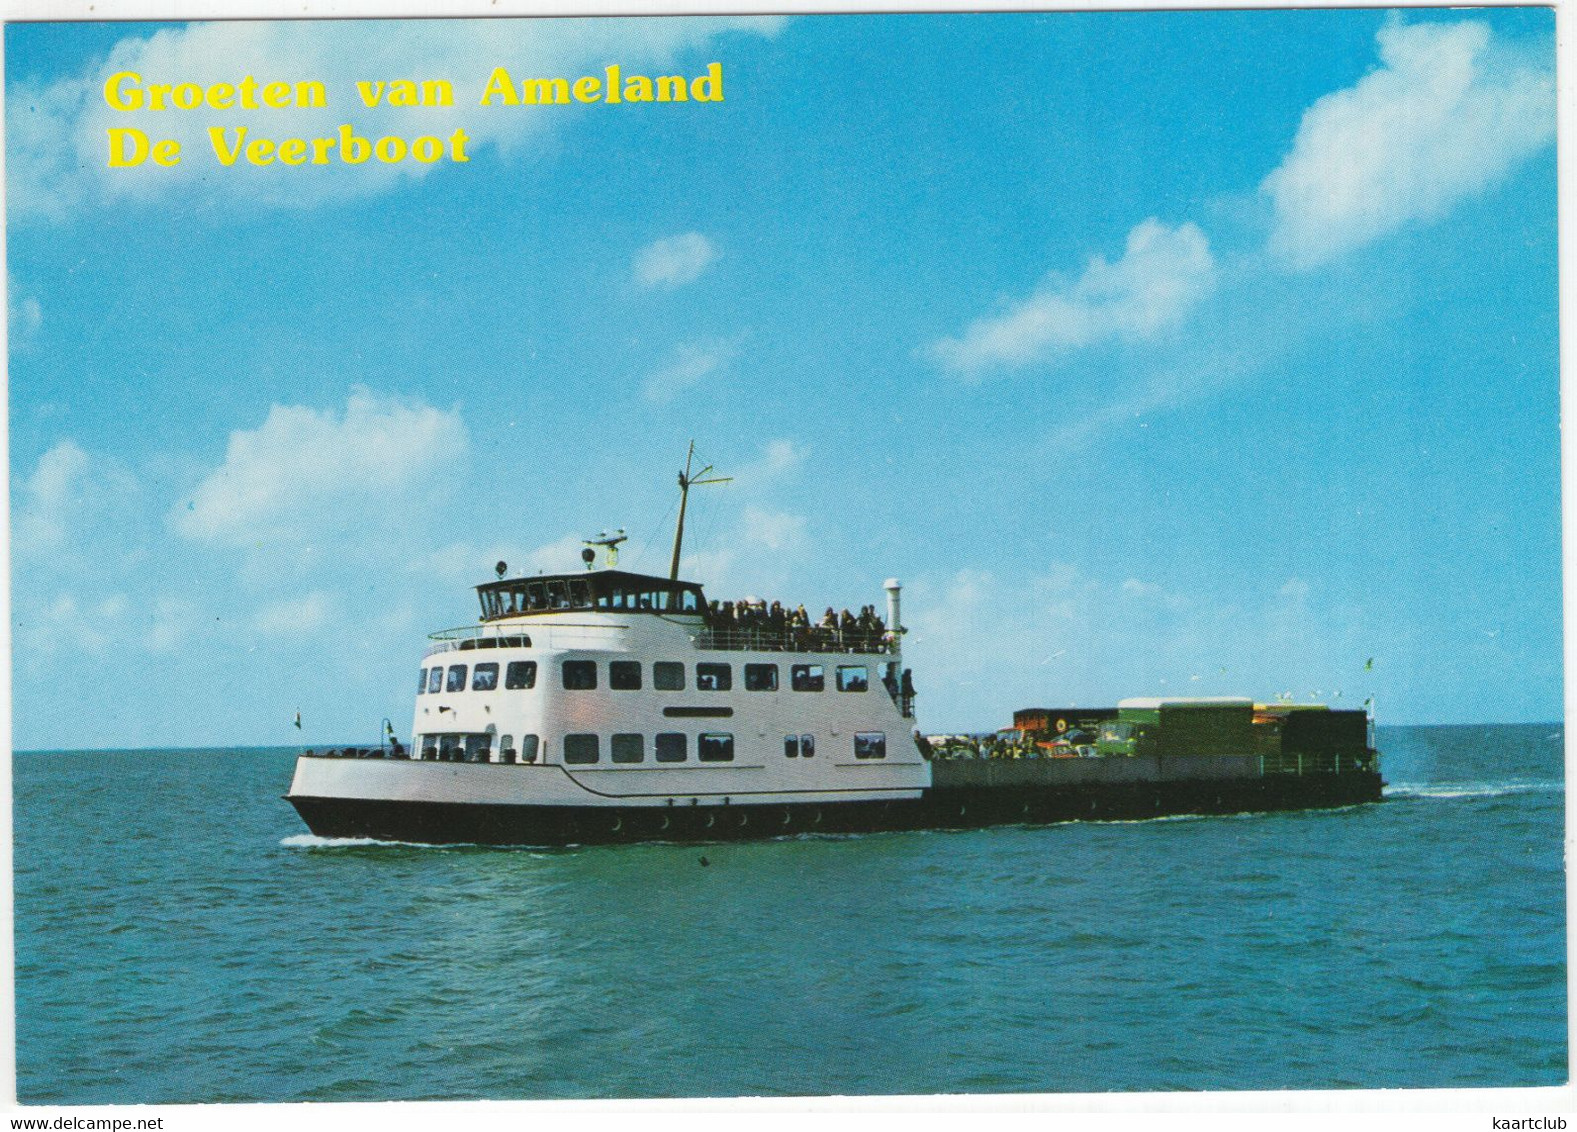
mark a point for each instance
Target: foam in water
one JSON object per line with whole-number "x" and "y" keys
{"x": 1469, "y": 789}
{"x": 313, "y": 841}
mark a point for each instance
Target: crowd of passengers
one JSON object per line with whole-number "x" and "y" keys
{"x": 793, "y": 627}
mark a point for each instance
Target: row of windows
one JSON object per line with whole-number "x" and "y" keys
{"x": 586, "y": 749}
{"x": 626, "y": 676}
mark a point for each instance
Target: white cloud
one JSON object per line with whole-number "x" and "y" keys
{"x": 1444, "y": 117}
{"x": 1162, "y": 274}
{"x": 294, "y": 617}
{"x": 775, "y": 530}
{"x": 67, "y": 491}
{"x": 57, "y": 141}
{"x": 65, "y": 626}
{"x": 24, "y": 316}
{"x": 174, "y": 621}
{"x": 674, "y": 261}
{"x": 305, "y": 470}
{"x": 693, "y": 362}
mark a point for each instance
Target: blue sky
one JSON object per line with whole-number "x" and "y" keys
{"x": 1157, "y": 353}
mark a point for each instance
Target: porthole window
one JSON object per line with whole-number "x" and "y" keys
{"x": 628, "y": 748}
{"x": 668, "y": 676}
{"x": 672, "y": 747}
{"x": 580, "y": 675}
{"x": 870, "y": 745}
{"x": 853, "y": 678}
{"x": 715, "y": 748}
{"x": 580, "y": 749}
{"x": 761, "y": 677}
{"x": 807, "y": 677}
{"x": 624, "y": 675}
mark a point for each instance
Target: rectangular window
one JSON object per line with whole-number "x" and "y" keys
{"x": 521, "y": 674}
{"x": 668, "y": 676}
{"x": 485, "y": 678}
{"x": 791, "y": 746}
{"x": 807, "y": 746}
{"x": 421, "y": 682}
{"x": 628, "y": 748}
{"x": 456, "y": 678}
{"x": 672, "y": 747}
{"x": 853, "y": 678}
{"x": 435, "y": 680}
{"x": 715, "y": 748}
{"x": 761, "y": 677}
{"x": 808, "y": 678}
{"x": 580, "y": 749}
{"x": 448, "y": 748}
{"x": 528, "y": 748}
{"x": 429, "y": 747}
{"x": 714, "y": 677}
{"x": 624, "y": 675}
{"x": 506, "y": 749}
{"x": 558, "y": 595}
{"x": 580, "y": 675}
{"x": 478, "y": 748}
{"x": 870, "y": 745}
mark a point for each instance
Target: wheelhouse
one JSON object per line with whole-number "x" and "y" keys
{"x": 603, "y": 591}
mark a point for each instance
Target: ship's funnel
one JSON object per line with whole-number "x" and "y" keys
{"x": 892, "y": 587}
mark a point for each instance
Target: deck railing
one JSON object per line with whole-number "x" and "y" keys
{"x": 812, "y": 639}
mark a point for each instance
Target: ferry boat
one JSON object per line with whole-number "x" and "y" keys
{"x": 603, "y": 705}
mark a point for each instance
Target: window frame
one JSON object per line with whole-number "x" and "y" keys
{"x": 488, "y": 668}
{"x": 628, "y": 668}
{"x": 864, "y": 678}
{"x": 801, "y": 679}
{"x": 758, "y": 669}
{"x": 575, "y": 749}
{"x": 625, "y": 760}
{"x": 662, "y": 683}
{"x": 719, "y": 739}
{"x": 580, "y": 666}
{"x": 453, "y": 685}
{"x": 526, "y": 667}
{"x": 721, "y": 671}
{"x": 874, "y": 743}
{"x": 658, "y": 744}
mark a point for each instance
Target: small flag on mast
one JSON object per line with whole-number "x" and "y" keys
{"x": 298, "y": 719}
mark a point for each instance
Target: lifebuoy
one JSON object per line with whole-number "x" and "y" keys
{"x": 1062, "y": 725}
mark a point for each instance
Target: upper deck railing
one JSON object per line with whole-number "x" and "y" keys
{"x": 814, "y": 638}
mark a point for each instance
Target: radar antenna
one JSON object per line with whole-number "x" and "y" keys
{"x": 609, "y": 543}
{"x": 686, "y": 481}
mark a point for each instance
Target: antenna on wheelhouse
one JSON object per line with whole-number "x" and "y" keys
{"x": 686, "y": 481}
{"x": 609, "y": 544}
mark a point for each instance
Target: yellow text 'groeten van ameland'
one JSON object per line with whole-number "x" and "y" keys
{"x": 130, "y": 147}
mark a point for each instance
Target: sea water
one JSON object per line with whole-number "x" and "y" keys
{"x": 181, "y": 938}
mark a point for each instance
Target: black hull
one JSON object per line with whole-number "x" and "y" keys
{"x": 956, "y": 807}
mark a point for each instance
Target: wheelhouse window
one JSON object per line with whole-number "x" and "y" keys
{"x": 807, "y": 678}
{"x": 558, "y": 595}
{"x": 520, "y": 674}
{"x": 580, "y": 675}
{"x": 435, "y": 680}
{"x": 628, "y": 748}
{"x": 672, "y": 747}
{"x": 714, "y": 677}
{"x": 668, "y": 676}
{"x": 761, "y": 677}
{"x": 853, "y": 678}
{"x": 456, "y": 678}
{"x": 715, "y": 748}
{"x": 421, "y": 682}
{"x": 624, "y": 675}
{"x": 870, "y": 745}
{"x": 580, "y": 749}
{"x": 528, "y": 748}
{"x": 485, "y": 678}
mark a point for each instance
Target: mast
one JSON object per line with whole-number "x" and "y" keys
{"x": 685, "y": 483}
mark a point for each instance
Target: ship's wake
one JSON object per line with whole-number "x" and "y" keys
{"x": 1470, "y": 789}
